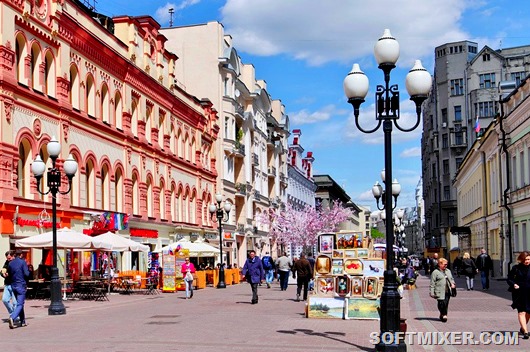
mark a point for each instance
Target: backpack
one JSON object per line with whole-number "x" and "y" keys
{"x": 267, "y": 265}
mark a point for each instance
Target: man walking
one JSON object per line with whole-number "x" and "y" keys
{"x": 302, "y": 273}
{"x": 19, "y": 273}
{"x": 311, "y": 261}
{"x": 268, "y": 266}
{"x": 8, "y": 297}
{"x": 254, "y": 273}
{"x": 484, "y": 265}
{"x": 284, "y": 265}
{"x": 434, "y": 262}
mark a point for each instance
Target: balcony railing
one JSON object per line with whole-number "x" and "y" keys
{"x": 257, "y": 195}
{"x": 241, "y": 188}
{"x": 255, "y": 159}
{"x": 239, "y": 149}
{"x": 272, "y": 171}
{"x": 283, "y": 178}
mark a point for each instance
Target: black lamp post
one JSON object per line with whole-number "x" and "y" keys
{"x": 418, "y": 83}
{"x": 219, "y": 212}
{"x": 54, "y": 184}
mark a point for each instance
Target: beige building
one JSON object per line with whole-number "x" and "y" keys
{"x": 252, "y": 150}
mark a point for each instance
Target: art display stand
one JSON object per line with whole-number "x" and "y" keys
{"x": 173, "y": 279}
{"x": 348, "y": 278}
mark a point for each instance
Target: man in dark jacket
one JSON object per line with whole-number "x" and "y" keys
{"x": 254, "y": 273}
{"x": 8, "y": 297}
{"x": 19, "y": 273}
{"x": 484, "y": 265}
{"x": 302, "y": 269}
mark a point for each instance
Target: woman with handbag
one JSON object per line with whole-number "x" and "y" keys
{"x": 469, "y": 269}
{"x": 188, "y": 269}
{"x": 442, "y": 286}
{"x": 519, "y": 281}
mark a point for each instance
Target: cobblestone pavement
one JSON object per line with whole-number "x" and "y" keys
{"x": 224, "y": 320}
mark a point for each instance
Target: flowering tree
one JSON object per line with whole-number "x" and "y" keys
{"x": 301, "y": 227}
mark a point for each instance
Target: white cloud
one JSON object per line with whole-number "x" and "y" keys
{"x": 318, "y": 31}
{"x": 162, "y": 14}
{"x": 411, "y": 152}
{"x": 304, "y": 116}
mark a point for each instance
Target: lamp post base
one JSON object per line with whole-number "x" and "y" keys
{"x": 222, "y": 283}
{"x": 56, "y": 301}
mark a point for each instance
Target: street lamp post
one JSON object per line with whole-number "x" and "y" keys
{"x": 219, "y": 212}
{"x": 54, "y": 184}
{"x": 418, "y": 83}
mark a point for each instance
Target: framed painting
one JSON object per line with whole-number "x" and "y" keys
{"x": 353, "y": 266}
{"x": 337, "y": 253}
{"x": 323, "y": 264}
{"x": 337, "y": 262}
{"x": 325, "y": 307}
{"x": 356, "y": 287}
{"x": 373, "y": 267}
{"x": 325, "y": 286}
{"x": 360, "y": 308}
{"x": 337, "y": 270}
{"x": 350, "y": 253}
{"x": 326, "y": 243}
{"x": 371, "y": 287}
{"x": 362, "y": 253}
{"x": 342, "y": 286}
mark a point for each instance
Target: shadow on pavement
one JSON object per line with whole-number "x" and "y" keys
{"x": 328, "y": 335}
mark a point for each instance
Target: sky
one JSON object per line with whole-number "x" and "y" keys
{"x": 303, "y": 49}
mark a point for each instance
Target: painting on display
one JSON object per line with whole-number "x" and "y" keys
{"x": 325, "y": 286}
{"x": 360, "y": 308}
{"x": 325, "y": 307}
{"x": 362, "y": 253}
{"x": 357, "y": 287}
{"x": 337, "y": 270}
{"x": 323, "y": 265}
{"x": 350, "y": 253}
{"x": 337, "y": 253}
{"x": 371, "y": 287}
{"x": 326, "y": 243}
{"x": 373, "y": 267}
{"x": 349, "y": 240}
{"x": 342, "y": 285}
{"x": 353, "y": 266}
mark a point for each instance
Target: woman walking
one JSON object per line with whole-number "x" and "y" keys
{"x": 469, "y": 269}
{"x": 519, "y": 281}
{"x": 188, "y": 269}
{"x": 442, "y": 282}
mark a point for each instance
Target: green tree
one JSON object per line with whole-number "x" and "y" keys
{"x": 376, "y": 233}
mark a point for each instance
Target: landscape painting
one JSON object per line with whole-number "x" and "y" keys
{"x": 325, "y": 307}
{"x": 361, "y": 308}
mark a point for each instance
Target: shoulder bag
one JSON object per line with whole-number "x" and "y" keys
{"x": 452, "y": 291}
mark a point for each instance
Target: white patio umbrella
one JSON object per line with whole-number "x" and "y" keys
{"x": 66, "y": 239}
{"x": 120, "y": 243}
{"x": 196, "y": 249}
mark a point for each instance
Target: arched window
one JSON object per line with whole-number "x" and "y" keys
{"x": 34, "y": 67}
{"x": 187, "y": 147}
{"x": 118, "y": 190}
{"x": 49, "y": 74}
{"x": 134, "y": 117}
{"x": 162, "y": 200}
{"x": 193, "y": 211}
{"x": 90, "y": 98}
{"x": 173, "y": 204}
{"x": 90, "y": 182}
{"x": 105, "y": 104}
{"x": 74, "y": 87}
{"x": 149, "y": 197}
{"x": 172, "y": 141}
{"x": 74, "y": 190}
{"x": 180, "y": 144}
{"x": 118, "y": 110}
{"x": 161, "y": 130}
{"x": 148, "y": 122}
{"x": 21, "y": 53}
{"x": 185, "y": 207}
{"x": 105, "y": 188}
{"x": 193, "y": 150}
{"x": 135, "y": 195}
{"x": 23, "y": 169}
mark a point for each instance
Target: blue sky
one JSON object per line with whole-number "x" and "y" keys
{"x": 303, "y": 49}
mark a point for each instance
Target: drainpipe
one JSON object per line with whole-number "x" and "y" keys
{"x": 506, "y": 191}
{"x": 485, "y": 202}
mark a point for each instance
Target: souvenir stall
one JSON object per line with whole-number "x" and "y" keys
{"x": 348, "y": 278}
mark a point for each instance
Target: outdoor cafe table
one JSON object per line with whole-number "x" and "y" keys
{"x": 38, "y": 289}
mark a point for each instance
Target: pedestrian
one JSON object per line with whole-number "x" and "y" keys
{"x": 8, "y": 297}
{"x": 519, "y": 282}
{"x": 457, "y": 266}
{"x": 19, "y": 273}
{"x": 284, "y": 264}
{"x": 311, "y": 261}
{"x": 469, "y": 269}
{"x": 484, "y": 265}
{"x": 268, "y": 266}
{"x": 188, "y": 269}
{"x": 433, "y": 263}
{"x": 302, "y": 273}
{"x": 442, "y": 282}
{"x": 254, "y": 273}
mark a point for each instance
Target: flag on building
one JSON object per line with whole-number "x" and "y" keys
{"x": 477, "y": 125}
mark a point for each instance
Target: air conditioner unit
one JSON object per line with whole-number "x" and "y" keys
{"x": 444, "y": 124}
